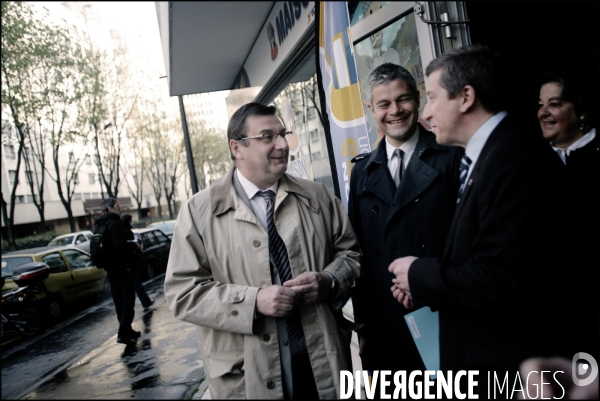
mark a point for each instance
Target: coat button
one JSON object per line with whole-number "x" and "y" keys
{"x": 236, "y": 299}
{"x": 256, "y": 243}
{"x": 266, "y": 337}
{"x": 375, "y": 209}
{"x": 420, "y": 245}
{"x": 270, "y": 385}
{"x": 234, "y": 313}
{"x": 285, "y": 342}
{"x": 416, "y": 200}
{"x": 376, "y": 253}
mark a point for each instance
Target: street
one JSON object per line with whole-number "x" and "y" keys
{"x": 79, "y": 358}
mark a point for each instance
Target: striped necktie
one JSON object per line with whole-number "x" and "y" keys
{"x": 465, "y": 164}
{"x": 279, "y": 253}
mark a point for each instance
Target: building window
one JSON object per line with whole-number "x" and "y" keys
{"x": 317, "y": 155}
{"x": 88, "y": 159}
{"x": 12, "y": 176}
{"x": 92, "y": 178}
{"x": 26, "y": 152}
{"x": 30, "y": 198}
{"x": 314, "y": 136}
{"x": 9, "y": 151}
{"x": 29, "y": 176}
{"x": 77, "y": 196}
{"x": 76, "y": 178}
{"x": 71, "y": 157}
{"x": 20, "y": 199}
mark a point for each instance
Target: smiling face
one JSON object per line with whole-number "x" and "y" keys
{"x": 396, "y": 109}
{"x": 558, "y": 120}
{"x": 261, "y": 163}
{"x": 443, "y": 113}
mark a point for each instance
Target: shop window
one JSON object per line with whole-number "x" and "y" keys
{"x": 359, "y": 10}
{"x": 397, "y": 43}
{"x": 297, "y": 106}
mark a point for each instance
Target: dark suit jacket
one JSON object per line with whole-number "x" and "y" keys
{"x": 390, "y": 223}
{"x": 492, "y": 285}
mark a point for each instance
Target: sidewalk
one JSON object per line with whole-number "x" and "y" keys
{"x": 204, "y": 394}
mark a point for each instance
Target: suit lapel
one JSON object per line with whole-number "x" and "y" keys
{"x": 379, "y": 180}
{"x": 474, "y": 179}
{"x": 417, "y": 177}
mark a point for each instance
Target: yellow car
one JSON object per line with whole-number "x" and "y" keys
{"x": 72, "y": 274}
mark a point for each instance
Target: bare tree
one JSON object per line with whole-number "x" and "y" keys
{"x": 39, "y": 67}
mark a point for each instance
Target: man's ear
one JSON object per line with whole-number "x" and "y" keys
{"x": 235, "y": 147}
{"x": 467, "y": 98}
{"x": 371, "y": 108}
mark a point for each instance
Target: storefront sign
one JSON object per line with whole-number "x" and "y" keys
{"x": 283, "y": 29}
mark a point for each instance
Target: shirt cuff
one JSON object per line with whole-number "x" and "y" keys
{"x": 336, "y": 297}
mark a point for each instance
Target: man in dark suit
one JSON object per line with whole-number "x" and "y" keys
{"x": 398, "y": 206}
{"x": 493, "y": 285}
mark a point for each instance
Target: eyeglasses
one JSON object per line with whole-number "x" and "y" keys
{"x": 268, "y": 138}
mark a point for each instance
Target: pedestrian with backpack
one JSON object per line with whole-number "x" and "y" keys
{"x": 113, "y": 255}
{"x": 137, "y": 282}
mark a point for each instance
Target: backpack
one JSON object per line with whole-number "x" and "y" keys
{"x": 97, "y": 252}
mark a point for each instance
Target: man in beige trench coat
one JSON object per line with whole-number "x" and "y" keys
{"x": 262, "y": 333}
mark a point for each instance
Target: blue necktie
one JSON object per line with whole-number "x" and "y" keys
{"x": 279, "y": 253}
{"x": 465, "y": 164}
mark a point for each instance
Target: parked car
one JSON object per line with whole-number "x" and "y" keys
{"x": 166, "y": 227}
{"x": 80, "y": 239}
{"x": 72, "y": 277}
{"x": 155, "y": 247}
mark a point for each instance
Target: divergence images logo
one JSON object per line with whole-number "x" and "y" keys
{"x": 581, "y": 369}
{"x": 271, "y": 36}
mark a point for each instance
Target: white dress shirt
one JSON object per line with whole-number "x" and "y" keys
{"x": 407, "y": 147}
{"x": 478, "y": 140}
{"x": 258, "y": 202}
{"x": 584, "y": 140}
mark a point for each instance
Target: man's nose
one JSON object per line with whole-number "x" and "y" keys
{"x": 426, "y": 112}
{"x": 394, "y": 108}
{"x": 281, "y": 142}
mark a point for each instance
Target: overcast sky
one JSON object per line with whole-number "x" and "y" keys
{"x": 137, "y": 19}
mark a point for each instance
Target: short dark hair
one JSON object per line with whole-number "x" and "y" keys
{"x": 569, "y": 92}
{"x": 475, "y": 65}
{"x": 387, "y": 73}
{"x": 236, "y": 129}
{"x": 108, "y": 202}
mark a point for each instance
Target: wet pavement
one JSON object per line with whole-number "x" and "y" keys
{"x": 79, "y": 358}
